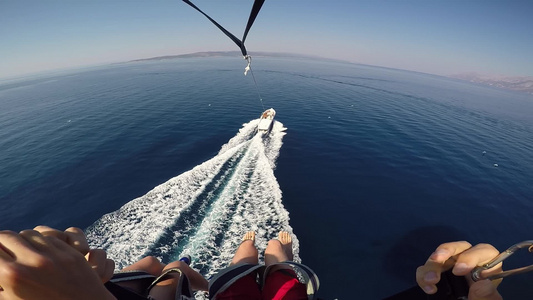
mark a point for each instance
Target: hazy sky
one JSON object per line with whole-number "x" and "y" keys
{"x": 432, "y": 36}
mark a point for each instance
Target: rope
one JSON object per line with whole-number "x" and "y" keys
{"x": 249, "y": 68}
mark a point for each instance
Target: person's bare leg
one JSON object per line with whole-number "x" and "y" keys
{"x": 197, "y": 281}
{"x": 246, "y": 253}
{"x": 283, "y": 284}
{"x": 150, "y": 265}
{"x": 279, "y": 250}
{"x": 286, "y": 244}
{"x": 166, "y": 289}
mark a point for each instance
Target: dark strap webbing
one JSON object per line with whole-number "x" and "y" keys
{"x": 122, "y": 293}
{"x": 146, "y": 282}
{"x": 226, "y": 277}
{"x": 253, "y": 14}
{"x": 183, "y": 289}
{"x": 309, "y": 276}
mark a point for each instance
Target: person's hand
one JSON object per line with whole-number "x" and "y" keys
{"x": 75, "y": 238}
{"x": 462, "y": 258}
{"x": 35, "y": 266}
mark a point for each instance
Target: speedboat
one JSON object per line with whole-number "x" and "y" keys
{"x": 266, "y": 121}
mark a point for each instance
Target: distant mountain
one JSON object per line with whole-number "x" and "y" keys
{"x": 515, "y": 83}
{"x": 236, "y": 54}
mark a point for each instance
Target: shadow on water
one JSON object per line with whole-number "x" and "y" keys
{"x": 412, "y": 249}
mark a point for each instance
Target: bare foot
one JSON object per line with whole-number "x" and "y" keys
{"x": 279, "y": 250}
{"x": 286, "y": 243}
{"x": 250, "y": 235}
{"x": 246, "y": 253}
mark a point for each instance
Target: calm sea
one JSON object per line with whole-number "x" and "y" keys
{"x": 370, "y": 168}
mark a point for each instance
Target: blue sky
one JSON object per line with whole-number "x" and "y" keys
{"x": 431, "y": 36}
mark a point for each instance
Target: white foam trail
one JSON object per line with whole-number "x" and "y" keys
{"x": 213, "y": 205}
{"x": 247, "y": 131}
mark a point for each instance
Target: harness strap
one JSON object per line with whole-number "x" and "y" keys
{"x": 183, "y": 289}
{"x": 132, "y": 275}
{"x": 147, "y": 282}
{"x": 225, "y": 278}
{"x": 306, "y": 276}
{"x": 240, "y": 43}
{"x": 122, "y": 293}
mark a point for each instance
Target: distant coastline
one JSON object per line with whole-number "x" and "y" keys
{"x": 522, "y": 84}
{"x": 515, "y": 83}
{"x": 237, "y": 54}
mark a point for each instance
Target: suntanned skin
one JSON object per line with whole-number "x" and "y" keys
{"x": 462, "y": 258}
{"x": 165, "y": 289}
{"x": 247, "y": 252}
{"x": 46, "y": 263}
{"x": 39, "y": 266}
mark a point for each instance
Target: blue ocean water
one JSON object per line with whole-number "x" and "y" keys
{"x": 370, "y": 168}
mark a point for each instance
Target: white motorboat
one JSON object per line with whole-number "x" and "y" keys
{"x": 266, "y": 121}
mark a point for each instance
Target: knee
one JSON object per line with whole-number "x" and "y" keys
{"x": 152, "y": 265}
{"x": 151, "y": 260}
{"x": 176, "y": 264}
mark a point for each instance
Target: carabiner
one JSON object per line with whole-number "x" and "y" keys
{"x": 476, "y": 273}
{"x": 248, "y": 58}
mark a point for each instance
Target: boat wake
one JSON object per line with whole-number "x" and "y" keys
{"x": 203, "y": 212}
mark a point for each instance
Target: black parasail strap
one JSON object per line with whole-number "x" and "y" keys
{"x": 253, "y": 14}
{"x": 251, "y": 19}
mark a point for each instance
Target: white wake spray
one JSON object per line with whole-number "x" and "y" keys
{"x": 203, "y": 212}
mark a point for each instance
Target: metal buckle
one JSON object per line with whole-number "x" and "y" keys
{"x": 476, "y": 272}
